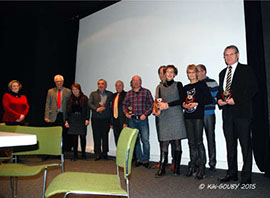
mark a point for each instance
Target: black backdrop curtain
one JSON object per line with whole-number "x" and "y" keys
{"x": 37, "y": 43}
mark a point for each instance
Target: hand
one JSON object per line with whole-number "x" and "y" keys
{"x": 186, "y": 106}
{"x": 143, "y": 117}
{"x": 47, "y": 120}
{"x": 124, "y": 125}
{"x": 128, "y": 115}
{"x": 86, "y": 122}
{"x": 231, "y": 101}
{"x": 163, "y": 106}
{"x": 21, "y": 118}
{"x": 100, "y": 109}
{"x": 193, "y": 104}
{"x": 221, "y": 103}
{"x": 66, "y": 124}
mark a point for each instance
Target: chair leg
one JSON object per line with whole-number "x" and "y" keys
{"x": 16, "y": 184}
{"x": 11, "y": 186}
{"x": 44, "y": 182}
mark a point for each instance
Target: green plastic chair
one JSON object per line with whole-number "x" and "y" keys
{"x": 49, "y": 143}
{"x": 99, "y": 184}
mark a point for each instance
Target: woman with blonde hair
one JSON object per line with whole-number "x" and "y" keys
{"x": 197, "y": 95}
{"x": 15, "y": 104}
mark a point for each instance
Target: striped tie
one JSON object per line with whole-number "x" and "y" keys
{"x": 229, "y": 79}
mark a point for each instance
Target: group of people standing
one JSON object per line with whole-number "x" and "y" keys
{"x": 181, "y": 112}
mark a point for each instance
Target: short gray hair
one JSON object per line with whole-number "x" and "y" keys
{"x": 60, "y": 76}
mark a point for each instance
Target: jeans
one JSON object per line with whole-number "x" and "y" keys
{"x": 209, "y": 122}
{"x": 143, "y": 136}
{"x": 195, "y": 141}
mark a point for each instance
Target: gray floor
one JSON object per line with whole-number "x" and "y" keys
{"x": 143, "y": 183}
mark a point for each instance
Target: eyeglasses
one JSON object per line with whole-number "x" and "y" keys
{"x": 227, "y": 55}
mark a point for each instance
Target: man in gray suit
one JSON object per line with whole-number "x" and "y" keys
{"x": 100, "y": 103}
{"x": 55, "y": 108}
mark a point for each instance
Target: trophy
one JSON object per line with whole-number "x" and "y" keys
{"x": 130, "y": 110}
{"x": 157, "y": 104}
{"x": 189, "y": 99}
{"x": 101, "y": 104}
{"x": 226, "y": 95}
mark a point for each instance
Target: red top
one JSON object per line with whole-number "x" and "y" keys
{"x": 14, "y": 107}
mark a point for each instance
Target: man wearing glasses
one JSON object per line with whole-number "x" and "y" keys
{"x": 237, "y": 86}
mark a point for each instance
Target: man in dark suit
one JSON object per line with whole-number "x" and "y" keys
{"x": 119, "y": 118}
{"x": 55, "y": 108}
{"x": 237, "y": 86}
{"x": 100, "y": 103}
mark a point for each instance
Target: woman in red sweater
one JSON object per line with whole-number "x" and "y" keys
{"x": 15, "y": 105}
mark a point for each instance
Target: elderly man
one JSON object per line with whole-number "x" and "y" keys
{"x": 209, "y": 120}
{"x": 119, "y": 118}
{"x": 55, "y": 108}
{"x": 138, "y": 105}
{"x": 100, "y": 103}
{"x": 237, "y": 86}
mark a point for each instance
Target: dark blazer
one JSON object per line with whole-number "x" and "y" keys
{"x": 93, "y": 101}
{"x": 243, "y": 88}
{"x": 121, "y": 115}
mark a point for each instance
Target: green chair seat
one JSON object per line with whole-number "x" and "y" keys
{"x": 21, "y": 170}
{"x": 95, "y": 183}
{"x": 85, "y": 183}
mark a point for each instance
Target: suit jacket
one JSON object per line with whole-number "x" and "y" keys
{"x": 93, "y": 101}
{"x": 121, "y": 115}
{"x": 51, "y": 103}
{"x": 243, "y": 88}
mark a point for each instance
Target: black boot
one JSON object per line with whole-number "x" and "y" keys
{"x": 190, "y": 172}
{"x": 200, "y": 173}
{"x": 164, "y": 160}
{"x": 177, "y": 161}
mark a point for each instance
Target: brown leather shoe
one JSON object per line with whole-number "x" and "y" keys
{"x": 156, "y": 166}
{"x": 172, "y": 167}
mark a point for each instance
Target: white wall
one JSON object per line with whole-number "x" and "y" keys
{"x": 136, "y": 37}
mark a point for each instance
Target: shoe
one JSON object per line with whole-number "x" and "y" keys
{"x": 228, "y": 178}
{"x": 172, "y": 167}
{"x": 97, "y": 158}
{"x": 200, "y": 174}
{"x": 105, "y": 156}
{"x": 177, "y": 161}
{"x": 138, "y": 163}
{"x": 146, "y": 164}
{"x": 212, "y": 168}
{"x": 164, "y": 159}
{"x": 156, "y": 166}
{"x": 74, "y": 158}
{"x": 190, "y": 172}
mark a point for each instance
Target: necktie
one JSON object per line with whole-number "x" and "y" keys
{"x": 59, "y": 99}
{"x": 115, "y": 107}
{"x": 229, "y": 79}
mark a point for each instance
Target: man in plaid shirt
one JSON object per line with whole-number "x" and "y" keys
{"x": 137, "y": 106}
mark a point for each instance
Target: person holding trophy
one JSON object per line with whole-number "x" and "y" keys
{"x": 167, "y": 107}
{"x": 100, "y": 103}
{"x": 197, "y": 95}
{"x": 237, "y": 88}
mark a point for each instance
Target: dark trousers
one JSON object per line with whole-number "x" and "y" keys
{"x": 195, "y": 141}
{"x": 67, "y": 139}
{"x": 101, "y": 128}
{"x": 236, "y": 128}
{"x": 75, "y": 145}
{"x": 117, "y": 128}
{"x": 209, "y": 123}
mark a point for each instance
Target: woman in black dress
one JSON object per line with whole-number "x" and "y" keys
{"x": 77, "y": 118}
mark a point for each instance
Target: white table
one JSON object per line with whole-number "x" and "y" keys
{"x": 10, "y": 139}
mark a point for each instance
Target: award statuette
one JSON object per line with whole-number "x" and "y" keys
{"x": 130, "y": 110}
{"x": 189, "y": 99}
{"x": 101, "y": 104}
{"x": 226, "y": 95}
{"x": 157, "y": 104}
